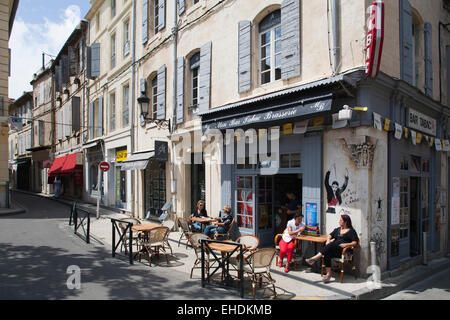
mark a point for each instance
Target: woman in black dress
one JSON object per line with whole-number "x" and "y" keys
{"x": 340, "y": 238}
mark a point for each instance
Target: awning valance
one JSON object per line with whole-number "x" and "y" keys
{"x": 137, "y": 161}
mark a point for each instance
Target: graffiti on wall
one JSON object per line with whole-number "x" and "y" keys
{"x": 378, "y": 237}
{"x": 335, "y": 190}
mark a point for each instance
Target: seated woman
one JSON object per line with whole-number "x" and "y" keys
{"x": 340, "y": 238}
{"x": 222, "y": 225}
{"x": 199, "y": 213}
{"x": 287, "y": 243}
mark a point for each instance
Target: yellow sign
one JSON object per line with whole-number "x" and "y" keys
{"x": 431, "y": 141}
{"x": 406, "y": 133}
{"x": 419, "y": 138}
{"x": 121, "y": 155}
{"x": 287, "y": 128}
{"x": 387, "y": 123}
{"x": 319, "y": 121}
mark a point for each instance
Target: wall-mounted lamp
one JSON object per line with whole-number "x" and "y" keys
{"x": 144, "y": 104}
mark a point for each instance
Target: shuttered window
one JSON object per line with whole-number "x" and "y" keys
{"x": 112, "y": 112}
{"x": 270, "y": 48}
{"x": 126, "y": 30}
{"x": 154, "y": 98}
{"x": 194, "y": 66}
{"x": 113, "y": 8}
{"x": 113, "y": 51}
{"x": 126, "y": 106}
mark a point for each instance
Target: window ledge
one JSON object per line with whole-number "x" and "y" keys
{"x": 200, "y": 4}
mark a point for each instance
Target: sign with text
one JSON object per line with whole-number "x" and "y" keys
{"x": 121, "y": 155}
{"x": 421, "y": 122}
{"x": 374, "y": 39}
{"x": 161, "y": 151}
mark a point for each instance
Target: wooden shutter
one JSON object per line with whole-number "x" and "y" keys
{"x": 91, "y": 120}
{"x": 162, "y": 15}
{"x": 76, "y": 108}
{"x": 161, "y": 109}
{"x": 428, "y": 59}
{"x": 245, "y": 56}
{"x": 290, "y": 43}
{"x": 181, "y": 6}
{"x": 144, "y": 21}
{"x": 180, "y": 90}
{"x": 205, "y": 77}
{"x": 406, "y": 42}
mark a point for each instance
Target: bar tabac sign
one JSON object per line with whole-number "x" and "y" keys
{"x": 421, "y": 122}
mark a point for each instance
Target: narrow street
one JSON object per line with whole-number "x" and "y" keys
{"x": 38, "y": 247}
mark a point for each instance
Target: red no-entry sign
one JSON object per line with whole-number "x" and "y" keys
{"x": 104, "y": 166}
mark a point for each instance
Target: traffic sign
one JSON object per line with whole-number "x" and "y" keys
{"x": 104, "y": 166}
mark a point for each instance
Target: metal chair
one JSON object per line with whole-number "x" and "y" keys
{"x": 169, "y": 224}
{"x": 135, "y": 234}
{"x": 185, "y": 230}
{"x": 154, "y": 243}
{"x": 224, "y": 236}
{"x": 347, "y": 257}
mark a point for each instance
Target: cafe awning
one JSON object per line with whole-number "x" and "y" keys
{"x": 72, "y": 163}
{"x": 137, "y": 161}
{"x": 57, "y": 165}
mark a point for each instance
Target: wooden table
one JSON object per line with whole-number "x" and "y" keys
{"x": 204, "y": 221}
{"x": 315, "y": 239}
{"x": 147, "y": 227}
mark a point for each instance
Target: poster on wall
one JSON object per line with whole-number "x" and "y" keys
{"x": 312, "y": 226}
{"x": 396, "y": 187}
{"x": 395, "y": 211}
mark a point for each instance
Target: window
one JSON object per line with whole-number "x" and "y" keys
{"x": 415, "y": 164}
{"x": 126, "y": 30}
{"x": 156, "y": 15}
{"x": 418, "y": 50}
{"x": 155, "y": 187}
{"x": 194, "y": 68}
{"x": 154, "y": 98}
{"x": 112, "y": 120}
{"x": 290, "y": 160}
{"x": 270, "y": 48}
{"x": 93, "y": 177}
{"x": 113, "y": 50}
{"x": 126, "y": 105}
{"x": 113, "y": 8}
{"x": 245, "y": 202}
{"x": 97, "y": 120}
{"x": 404, "y": 163}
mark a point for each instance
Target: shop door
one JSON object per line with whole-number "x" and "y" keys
{"x": 415, "y": 221}
{"x": 265, "y": 210}
{"x": 121, "y": 180}
{"x": 245, "y": 204}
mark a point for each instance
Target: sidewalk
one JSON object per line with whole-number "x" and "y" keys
{"x": 299, "y": 284}
{"x": 14, "y": 209}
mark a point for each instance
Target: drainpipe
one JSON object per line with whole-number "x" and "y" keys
{"x": 133, "y": 89}
{"x": 174, "y": 104}
{"x": 335, "y": 36}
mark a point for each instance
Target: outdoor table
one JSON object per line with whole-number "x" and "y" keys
{"x": 204, "y": 221}
{"x": 315, "y": 239}
{"x": 145, "y": 228}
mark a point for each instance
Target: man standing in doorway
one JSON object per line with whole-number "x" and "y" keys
{"x": 293, "y": 207}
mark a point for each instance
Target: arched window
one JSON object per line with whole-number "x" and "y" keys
{"x": 270, "y": 47}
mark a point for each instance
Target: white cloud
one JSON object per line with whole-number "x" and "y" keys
{"x": 28, "y": 42}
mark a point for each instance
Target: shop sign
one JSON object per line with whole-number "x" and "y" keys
{"x": 161, "y": 151}
{"x": 121, "y": 155}
{"x": 374, "y": 39}
{"x": 421, "y": 122}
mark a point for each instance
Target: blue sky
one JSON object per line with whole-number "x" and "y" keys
{"x": 40, "y": 26}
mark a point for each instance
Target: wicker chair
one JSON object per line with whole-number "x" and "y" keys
{"x": 185, "y": 230}
{"x": 194, "y": 239}
{"x": 135, "y": 234}
{"x": 294, "y": 254}
{"x": 169, "y": 224}
{"x": 154, "y": 243}
{"x": 347, "y": 257}
{"x": 224, "y": 236}
{"x": 257, "y": 266}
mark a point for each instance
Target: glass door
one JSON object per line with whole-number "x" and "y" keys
{"x": 265, "y": 210}
{"x": 245, "y": 204}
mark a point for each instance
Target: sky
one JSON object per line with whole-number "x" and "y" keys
{"x": 40, "y": 26}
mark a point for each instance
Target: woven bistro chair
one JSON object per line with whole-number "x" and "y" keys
{"x": 154, "y": 243}
{"x": 194, "y": 239}
{"x": 224, "y": 236}
{"x": 169, "y": 224}
{"x": 185, "y": 230}
{"x": 257, "y": 267}
{"x": 347, "y": 257}
{"x": 135, "y": 234}
{"x": 296, "y": 251}
{"x": 252, "y": 242}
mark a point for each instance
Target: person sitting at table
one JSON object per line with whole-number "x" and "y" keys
{"x": 222, "y": 225}
{"x": 199, "y": 213}
{"x": 287, "y": 243}
{"x": 340, "y": 238}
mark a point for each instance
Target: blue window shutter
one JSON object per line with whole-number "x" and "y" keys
{"x": 204, "y": 77}
{"x": 162, "y": 15}
{"x": 180, "y": 90}
{"x": 93, "y": 60}
{"x": 161, "y": 109}
{"x": 290, "y": 43}
{"x": 406, "y": 42}
{"x": 181, "y": 6}
{"x": 144, "y": 21}
{"x": 91, "y": 120}
{"x": 245, "y": 56}
{"x": 41, "y": 132}
{"x": 428, "y": 59}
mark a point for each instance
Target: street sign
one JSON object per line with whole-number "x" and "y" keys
{"x": 104, "y": 166}
{"x": 375, "y": 38}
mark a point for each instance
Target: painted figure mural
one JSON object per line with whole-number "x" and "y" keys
{"x": 334, "y": 192}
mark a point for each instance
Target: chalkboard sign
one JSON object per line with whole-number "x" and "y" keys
{"x": 161, "y": 151}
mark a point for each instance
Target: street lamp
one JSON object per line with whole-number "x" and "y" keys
{"x": 144, "y": 104}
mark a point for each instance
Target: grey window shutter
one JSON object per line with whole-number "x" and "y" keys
{"x": 205, "y": 77}
{"x": 76, "y": 108}
{"x": 406, "y": 42}
{"x": 91, "y": 120}
{"x": 245, "y": 56}
{"x": 428, "y": 59}
{"x": 290, "y": 43}
{"x": 161, "y": 109}
{"x": 41, "y": 133}
{"x": 60, "y": 78}
{"x": 100, "y": 116}
{"x": 68, "y": 120}
{"x": 73, "y": 61}
{"x": 89, "y": 62}
{"x": 143, "y": 86}
{"x": 180, "y": 90}
{"x": 181, "y": 6}
{"x": 162, "y": 15}
{"x": 93, "y": 61}
{"x": 65, "y": 63}
{"x": 57, "y": 77}
{"x": 144, "y": 21}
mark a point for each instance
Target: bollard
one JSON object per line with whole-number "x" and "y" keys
{"x": 373, "y": 253}
{"x": 424, "y": 248}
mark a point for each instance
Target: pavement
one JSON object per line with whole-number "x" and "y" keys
{"x": 299, "y": 284}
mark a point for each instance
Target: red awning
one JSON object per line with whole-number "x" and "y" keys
{"x": 56, "y": 167}
{"x": 70, "y": 165}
